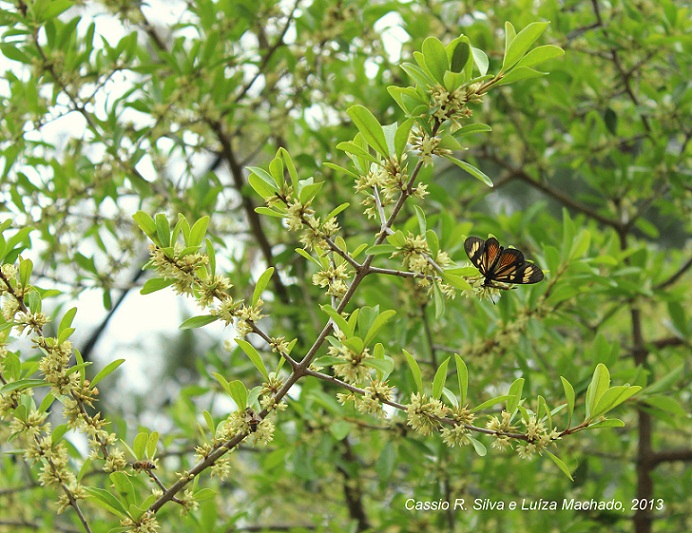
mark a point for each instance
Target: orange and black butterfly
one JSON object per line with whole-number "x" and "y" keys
{"x": 504, "y": 265}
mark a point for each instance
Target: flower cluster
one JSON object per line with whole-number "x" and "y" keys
{"x": 424, "y": 413}
{"x": 501, "y": 427}
{"x": 538, "y": 438}
{"x": 221, "y": 467}
{"x": 458, "y": 434}
{"x": 416, "y": 258}
{"x": 371, "y": 402}
{"x": 178, "y": 265}
{"x": 261, "y": 430}
{"x": 453, "y": 106}
{"x": 353, "y": 369}
{"x": 146, "y": 523}
{"x": 237, "y": 313}
{"x": 315, "y": 233}
{"x": 32, "y": 321}
{"x": 333, "y": 277}
{"x": 383, "y": 184}
{"x": 427, "y": 146}
{"x": 268, "y": 394}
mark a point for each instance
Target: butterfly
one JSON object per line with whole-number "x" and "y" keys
{"x": 504, "y": 265}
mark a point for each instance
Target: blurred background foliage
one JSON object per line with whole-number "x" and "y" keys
{"x": 110, "y": 107}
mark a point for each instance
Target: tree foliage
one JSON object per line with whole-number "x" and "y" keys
{"x": 310, "y": 188}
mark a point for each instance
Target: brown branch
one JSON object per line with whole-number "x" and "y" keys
{"x": 352, "y": 490}
{"x": 671, "y": 456}
{"x": 567, "y": 200}
{"x": 675, "y": 277}
{"x": 267, "y": 57}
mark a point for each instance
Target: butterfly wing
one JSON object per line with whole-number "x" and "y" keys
{"x": 511, "y": 268}
{"x": 482, "y": 253}
{"x": 499, "y": 264}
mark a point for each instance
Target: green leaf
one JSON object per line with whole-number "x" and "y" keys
{"x": 307, "y": 256}
{"x": 261, "y": 284}
{"x": 340, "y": 429}
{"x": 521, "y": 43}
{"x": 470, "y": 129}
{"x": 678, "y": 317}
{"x": 308, "y": 190}
{"x": 515, "y": 391}
{"x": 491, "y": 402}
{"x": 562, "y": 466}
{"x": 369, "y": 128}
{"x": 254, "y": 356}
{"x": 268, "y": 211}
{"x": 197, "y": 232}
{"x": 198, "y": 321}
{"x": 438, "y": 300}
{"x": 440, "y": 379}
{"x": 476, "y": 173}
{"x": 107, "y": 501}
{"x": 456, "y": 281}
{"x": 540, "y": 54}
{"x": 667, "y": 404}
{"x": 607, "y": 423}
{"x": 519, "y": 74}
{"x": 402, "y": 135}
{"x": 460, "y": 56}
{"x": 211, "y": 254}
{"x": 210, "y": 422}
{"x": 665, "y": 384}
{"x": 139, "y": 445}
{"x": 26, "y": 266}
{"x": 463, "y": 378}
{"x": 334, "y": 212}
{"x": 356, "y": 150}
{"x": 238, "y": 392}
{"x": 22, "y": 384}
{"x": 613, "y": 397}
{"x": 328, "y": 360}
{"x": 290, "y": 166}
{"x": 276, "y": 170}
{"x": 420, "y": 215}
{"x": 386, "y": 462}
{"x": 155, "y": 284}
{"x": 355, "y": 344}
{"x": 338, "y": 320}
{"x": 569, "y": 394}
{"x": 124, "y": 486}
{"x": 415, "y": 370}
{"x": 264, "y": 176}
{"x": 380, "y": 249}
{"x": 66, "y": 320}
{"x": 10, "y": 51}
{"x": 152, "y": 442}
{"x": 600, "y": 382}
{"x": 383, "y": 366}
{"x": 418, "y": 75}
{"x": 163, "y": 230}
{"x": 266, "y": 189}
{"x": 436, "y": 60}
{"x": 478, "y": 446}
{"x": 106, "y": 371}
{"x": 481, "y": 60}
{"x": 54, "y": 8}
{"x": 377, "y": 325}
{"x": 510, "y": 34}
{"x": 181, "y": 227}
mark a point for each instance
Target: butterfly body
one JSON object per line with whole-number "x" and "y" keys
{"x": 498, "y": 264}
